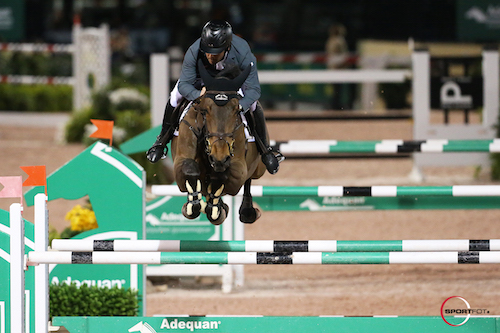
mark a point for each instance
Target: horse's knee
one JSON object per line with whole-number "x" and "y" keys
{"x": 187, "y": 170}
{"x": 190, "y": 168}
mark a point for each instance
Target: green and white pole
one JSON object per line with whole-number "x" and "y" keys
{"x": 256, "y": 258}
{"x": 431, "y": 245}
{"x": 355, "y": 191}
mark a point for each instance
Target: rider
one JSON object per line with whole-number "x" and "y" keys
{"x": 216, "y": 48}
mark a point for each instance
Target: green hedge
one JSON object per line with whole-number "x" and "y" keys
{"x": 36, "y": 63}
{"x": 46, "y": 98}
{"x": 17, "y": 97}
{"x": 70, "y": 300}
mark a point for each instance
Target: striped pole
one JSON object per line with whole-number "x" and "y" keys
{"x": 258, "y": 258}
{"x": 88, "y": 245}
{"x": 31, "y": 79}
{"x": 355, "y": 191}
{"x": 312, "y": 147}
{"x": 37, "y": 47}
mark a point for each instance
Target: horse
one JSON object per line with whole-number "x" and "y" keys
{"x": 212, "y": 156}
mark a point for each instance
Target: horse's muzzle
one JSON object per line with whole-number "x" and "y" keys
{"x": 219, "y": 165}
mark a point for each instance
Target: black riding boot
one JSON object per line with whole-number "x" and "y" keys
{"x": 159, "y": 149}
{"x": 268, "y": 155}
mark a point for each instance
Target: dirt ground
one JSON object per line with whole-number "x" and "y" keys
{"x": 355, "y": 290}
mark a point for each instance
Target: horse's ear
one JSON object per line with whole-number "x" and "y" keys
{"x": 208, "y": 80}
{"x": 238, "y": 81}
{"x": 235, "y": 103}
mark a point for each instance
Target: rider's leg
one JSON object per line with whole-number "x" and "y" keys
{"x": 268, "y": 156}
{"x": 159, "y": 149}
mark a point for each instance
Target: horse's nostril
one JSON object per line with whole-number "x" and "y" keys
{"x": 211, "y": 159}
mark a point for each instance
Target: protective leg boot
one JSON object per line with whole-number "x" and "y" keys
{"x": 159, "y": 149}
{"x": 269, "y": 158}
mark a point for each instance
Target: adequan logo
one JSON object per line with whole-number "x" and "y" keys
{"x": 190, "y": 325}
{"x": 489, "y": 17}
{"x": 142, "y": 327}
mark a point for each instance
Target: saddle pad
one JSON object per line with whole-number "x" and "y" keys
{"x": 248, "y": 136}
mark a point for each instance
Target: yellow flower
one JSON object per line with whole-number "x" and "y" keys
{"x": 81, "y": 219}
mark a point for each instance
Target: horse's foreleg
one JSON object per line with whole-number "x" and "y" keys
{"x": 195, "y": 204}
{"x": 248, "y": 213}
{"x": 216, "y": 209}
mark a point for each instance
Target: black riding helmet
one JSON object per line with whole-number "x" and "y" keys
{"x": 216, "y": 37}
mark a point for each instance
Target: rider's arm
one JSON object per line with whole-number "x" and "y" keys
{"x": 188, "y": 73}
{"x": 251, "y": 86}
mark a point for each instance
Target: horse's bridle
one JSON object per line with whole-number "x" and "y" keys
{"x": 220, "y": 98}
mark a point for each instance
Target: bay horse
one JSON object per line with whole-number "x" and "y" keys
{"x": 212, "y": 156}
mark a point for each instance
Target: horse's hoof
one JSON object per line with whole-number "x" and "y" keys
{"x": 222, "y": 214}
{"x": 249, "y": 215}
{"x": 219, "y": 220}
{"x": 191, "y": 211}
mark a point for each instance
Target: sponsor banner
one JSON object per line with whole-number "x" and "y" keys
{"x": 262, "y": 324}
{"x": 315, "y": 204}
{"x": 478, "y": 20}
{"x": 12, "y": 20}
{"x": 164, "y": 221}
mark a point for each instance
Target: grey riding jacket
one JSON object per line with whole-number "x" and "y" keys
{"x": 239, "y": 54}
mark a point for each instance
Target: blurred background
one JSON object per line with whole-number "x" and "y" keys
{"x": 302, "y": 33}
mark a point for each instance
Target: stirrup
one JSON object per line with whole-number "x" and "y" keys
{"x": 279, "y": 156}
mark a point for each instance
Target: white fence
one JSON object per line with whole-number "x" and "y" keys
{"x": 91, "y": 63}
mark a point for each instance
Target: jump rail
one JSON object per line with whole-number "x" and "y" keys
{"x": 312, "y": 147}
{"x": 356, "y": 191}
{"x": 88, "y": 245}
{"x": 258, "y": 258}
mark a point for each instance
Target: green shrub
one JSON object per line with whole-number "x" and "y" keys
{"x": 70, "y": 300}
{"x": 75, "y": 128}
{"x": 64, "y": 97}
{"x": 22, "y": 98}
{"x": 101, "y": 105}
{"x": 36, "y": 63}
{"x": 45, "y": 99}
{"x": 133, "y": 122}
{"x": 60, "y": 64}
{"x": 130, "y": 122}
{"x": 128, "y": 107}
{"x": 15, "y": 97}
